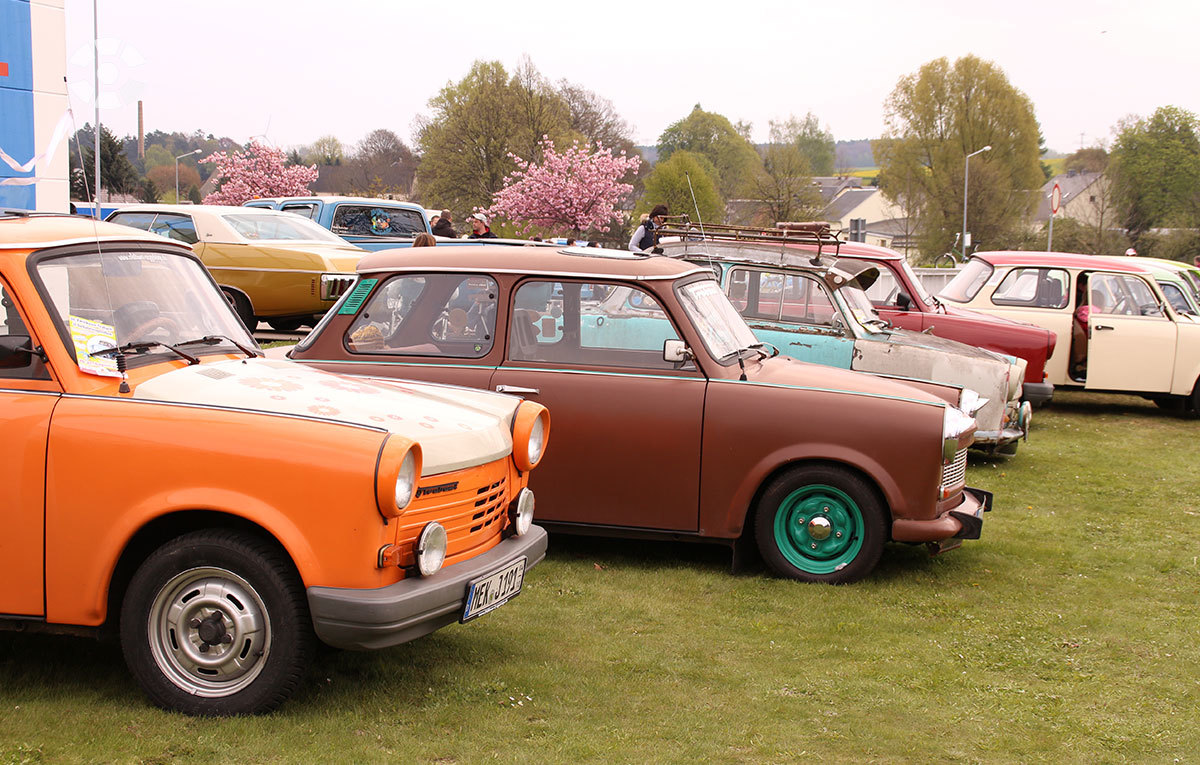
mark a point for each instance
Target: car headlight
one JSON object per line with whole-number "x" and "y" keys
{"x": 397, "y": 471}
{"x": 971, "y": 402}
{"x": 406, "y": 480}
{"x": 531, "y": 431}
{"x": 955, "y": 423}
{"x": 522, "y": 512}
{"x": 431, "y": 548}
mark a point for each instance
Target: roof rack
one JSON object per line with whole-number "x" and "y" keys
{"x": 785, "y": 232}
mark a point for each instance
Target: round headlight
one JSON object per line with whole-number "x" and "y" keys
{"x": 406, "y": 481}
{"x": 537, "y": 438}
{"x": 523, "y": 512}
{"x": 431, "y": 549}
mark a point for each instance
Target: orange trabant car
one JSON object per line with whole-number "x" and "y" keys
{"x": 219, "y": 510}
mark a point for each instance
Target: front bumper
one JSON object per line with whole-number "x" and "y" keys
{"x": 1037, "y": 393}
{"x": 962, "y": 522}
{"x": 370, "y": 619}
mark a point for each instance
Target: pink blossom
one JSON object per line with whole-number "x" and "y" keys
{"x": 572, "y": 191}
{"x": 259, "y": 171}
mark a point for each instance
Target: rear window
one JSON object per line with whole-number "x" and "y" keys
{"x": 964, "y": 287}
{"x": 366, "y": 220}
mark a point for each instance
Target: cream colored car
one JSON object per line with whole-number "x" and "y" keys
{"x": 1116, "y": 330}
{"x": 272, "y": 266}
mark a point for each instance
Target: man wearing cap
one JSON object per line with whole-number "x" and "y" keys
{"x": 479, "y": 227}
{"x": 645, "y": 238}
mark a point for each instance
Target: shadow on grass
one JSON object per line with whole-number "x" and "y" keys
{"x": 1079, "y": 402}
{"x": 75, "y": 668}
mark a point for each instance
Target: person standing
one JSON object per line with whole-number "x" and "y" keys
{"x": 645, "y": 237}
{"x": 444, "y": 226}
{"x": 479, "y": 227}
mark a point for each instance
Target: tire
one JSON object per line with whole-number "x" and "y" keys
{"x": 285, "y": 325}
{"x": 241, "y": 306}
{"x": 820, "y": 524}
{"x": 247, "y": 660}
{"x": 945, "y": 260}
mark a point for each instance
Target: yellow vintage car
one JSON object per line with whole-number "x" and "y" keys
{"x": 272, "y": 266}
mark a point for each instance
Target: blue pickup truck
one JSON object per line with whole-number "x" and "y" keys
{"x": 372, "y": 224}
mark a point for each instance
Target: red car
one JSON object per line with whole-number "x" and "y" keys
{"x": 900, "y": 298}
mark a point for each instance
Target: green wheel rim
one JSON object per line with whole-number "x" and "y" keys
{"x": 819, "y": 529}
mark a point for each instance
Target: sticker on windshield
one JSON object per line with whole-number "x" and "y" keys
{"x": 90, "y": 336}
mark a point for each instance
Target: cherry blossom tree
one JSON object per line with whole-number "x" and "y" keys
{"x": 572, "y": 191}
{"x": 259, "y": 171}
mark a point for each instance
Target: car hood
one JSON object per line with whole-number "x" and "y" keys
{"x": 942, "y": 344}
{"x": 786, "y": 371}
{"x": 456, "y": 427}
{"x": 338, "y": 258}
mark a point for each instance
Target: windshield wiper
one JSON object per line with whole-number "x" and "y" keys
{"x": 214, "y": 339}
{"x": 761, "y": 348}
{"x": 142, "y": 347}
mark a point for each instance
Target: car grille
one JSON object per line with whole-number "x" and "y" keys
{"x": 955, "y": 473}
{"x": 474, "y": 512}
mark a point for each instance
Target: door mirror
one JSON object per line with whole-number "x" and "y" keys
{"x": 677, "y": 352}
{"x": 16, "y": 351}
{"x": 903, "y": 301}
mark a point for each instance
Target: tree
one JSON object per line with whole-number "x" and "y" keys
{"x": 259, "y": 171}
{"x": 1154, "y": 166}
{"x": 714, "y": 137}
{"x": 936, "y": 117}
{"x": 816, "y": 145}
{"x": 163, "y": 177}
{"x": 382, "y": 164}
{"x": 594, "y": 118}
{"x": 326, "y": 150}
{"x": 576, "y": 190}
{"x": 783, "y": 185}
{"x": 116, "y": 172}
{"x": 668, "y": 184}
{"x": 1090, "y": 160}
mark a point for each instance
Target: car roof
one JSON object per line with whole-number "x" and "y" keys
{"x": 564, "y": 261}
{"x": 203, "y": 209}
{"x": 375, "y": 201}
{"x": 41, "y": 230}
{"x": 1061, "y": 259}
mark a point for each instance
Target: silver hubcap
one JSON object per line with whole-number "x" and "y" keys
{"x": 819, "y": 528}
{"x": 209, "y": 632}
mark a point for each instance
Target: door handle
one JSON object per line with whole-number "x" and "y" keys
{"x": 1103, "y": 326}
{"x": 516, "y": 389}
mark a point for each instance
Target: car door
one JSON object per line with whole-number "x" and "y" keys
{"x": 28, "y": 395}
{"x": 1131, "y": 342}
{"x": 792, "y": 312}
{"x": 626, "y": 437}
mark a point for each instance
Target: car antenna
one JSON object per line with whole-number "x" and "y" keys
{"x": 696, "y": 206}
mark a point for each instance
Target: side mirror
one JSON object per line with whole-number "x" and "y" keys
{"x": 16, "y": 351}
{"x": 903, "y": 301}
{"x": 677, "y": 352}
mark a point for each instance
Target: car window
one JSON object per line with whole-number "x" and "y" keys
{"x": 775, "y": 296}
{"x": 591, "y": 324}
{"x": 365, "y": 220}
{"x": 966, "y": 285}
{"x": 1119, "y": 295}
{"x": 174, "y": 226}
{"x": 428, "y": 315}
{"x": 1176, "y": 297}
{"x": 142, "y": 220}
{"x": 883, "y": 291}
{"x": 1035, "y": 287}
{"x": 303, "y": 209}
{"x": 272, "y": 226}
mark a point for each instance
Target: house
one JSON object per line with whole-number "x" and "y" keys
{"x": 1086, "y": 197}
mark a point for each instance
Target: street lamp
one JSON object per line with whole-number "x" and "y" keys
{"x": 966, "y": 175}
{"x": 197, "y": 151}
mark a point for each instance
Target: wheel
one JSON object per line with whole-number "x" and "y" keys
{"x": 285, "y": 325}
{"x": 1173, "y": 404}
{"x": 820, "y": 524}
{"x": 241, "y": 306}
{"x": 945, "y": 260}
{"x": 216, "y": 623}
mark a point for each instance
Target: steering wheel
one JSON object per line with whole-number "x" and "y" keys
{"x": 152, "y": 325}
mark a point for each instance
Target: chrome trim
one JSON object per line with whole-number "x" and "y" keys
{"x": 33, "y": 392}
{"x": 279, "y": 270}
{"x": 239, "y": 410}
{"x": 938, "y": 404}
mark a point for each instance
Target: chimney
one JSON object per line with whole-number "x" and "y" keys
{"x": 141, "y": 134}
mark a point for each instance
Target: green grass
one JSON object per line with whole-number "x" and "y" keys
{"x": 1067, "y": 634}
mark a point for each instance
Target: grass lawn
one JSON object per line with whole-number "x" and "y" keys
{"x": 1068, "y": 634}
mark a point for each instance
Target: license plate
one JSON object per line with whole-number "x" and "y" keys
{"x": 494, "y": 590}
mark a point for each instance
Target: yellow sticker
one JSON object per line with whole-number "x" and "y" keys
{"x": 90, "y": 336}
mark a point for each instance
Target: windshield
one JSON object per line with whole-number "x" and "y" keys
{"x": 278, "y": 227}
{"x": 860, "y": 305}
{"x": 918, "y": 287}
{"x": 722, "y": 328}
{"x": 115, "y": 298}
{"x": 966, "y": 285}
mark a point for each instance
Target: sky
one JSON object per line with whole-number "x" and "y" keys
{"x": 294, "y": 70}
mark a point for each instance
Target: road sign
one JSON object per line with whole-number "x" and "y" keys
{"x": 1055, "y": 199}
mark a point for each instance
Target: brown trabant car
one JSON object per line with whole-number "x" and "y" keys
{"x": 671, "y": 419}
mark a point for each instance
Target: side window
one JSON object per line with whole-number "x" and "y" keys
{"x": 805, "y": 302}
{"x": 779, "y": 297}
{"x": 562, "y": 322}
{"x": 303, "y": 209}
{"x": 1143, "y": 300}
{"x": 1176, "y": 297}
{"x": 181, "y": 228}
{"x": 448, "y": 315}
{"x": 140, "y": 220}
{"x": 885, "y": 288}
{"x": 1034, "y": 287}
{"x": 364, "y": 220}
